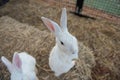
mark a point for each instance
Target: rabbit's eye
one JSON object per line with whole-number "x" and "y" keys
{"x": 61, "y": 42}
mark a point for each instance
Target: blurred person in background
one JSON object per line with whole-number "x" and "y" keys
{"x": 79, "y": 6}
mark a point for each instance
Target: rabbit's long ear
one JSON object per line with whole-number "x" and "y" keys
{"x": 17, "y": 61}
{"x": 51, "y": 25}
{"x": 7, "y": 63}
{"x": 63, "y": 20}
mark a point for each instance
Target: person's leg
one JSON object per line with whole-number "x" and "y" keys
{"x": 2, "y": 2}
{"x": 5, "y": 1}
{"x": 81, "y": 5}
{"x": 77, "y": 6}
{"x": 79, "y": 10}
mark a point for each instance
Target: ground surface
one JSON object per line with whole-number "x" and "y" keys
{"x": 101, "y": 36}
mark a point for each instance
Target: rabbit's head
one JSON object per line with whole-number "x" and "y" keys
{"x": 64, "y": 40}
{"x": 15, "y": 68}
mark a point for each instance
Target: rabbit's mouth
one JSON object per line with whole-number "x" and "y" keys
{"x": 75, "y": 59}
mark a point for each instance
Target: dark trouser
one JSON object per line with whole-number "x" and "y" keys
{"x": 79, "y": 6}
{"x": 2, "y": 2}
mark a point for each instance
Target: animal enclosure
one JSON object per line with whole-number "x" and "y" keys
{"x": 21, "y": 29}
{"x": 109, "y": 9}
{"x": 108, "y": 6}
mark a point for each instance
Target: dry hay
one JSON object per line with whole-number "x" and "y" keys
{"x": 15, "y": 36}
{"x": 102, "y": 37}
{"x": 29, "y": 11}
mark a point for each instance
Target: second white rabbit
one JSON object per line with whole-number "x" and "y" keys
{"x": 22, "y": 66}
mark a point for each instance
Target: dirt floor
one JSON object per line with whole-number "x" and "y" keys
{"x": 100, "y": 35}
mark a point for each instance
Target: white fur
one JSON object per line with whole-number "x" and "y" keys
{"x": 22, "y": 66}
{"x": 61, "y": 56}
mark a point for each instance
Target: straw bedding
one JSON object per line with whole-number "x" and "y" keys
{"x": 16, "y": 36}
{"x": 99, "y": 36}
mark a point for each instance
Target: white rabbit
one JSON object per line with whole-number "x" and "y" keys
{"x": 62, "y": 56}
{"x": 22, "y": 66}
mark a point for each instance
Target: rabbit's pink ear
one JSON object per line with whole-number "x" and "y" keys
{"x": 51, "y": 25}
{"x": 63, "y": 20}
{"x": 7, "y": 63}
{"x": 17, "y": 61}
